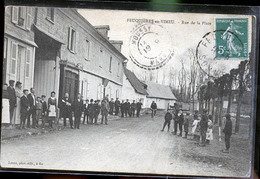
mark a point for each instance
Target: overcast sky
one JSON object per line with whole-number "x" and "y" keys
{"x": 183, "y": 36}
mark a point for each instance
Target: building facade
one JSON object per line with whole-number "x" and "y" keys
{"x": 59, "y": 50}
{"x": 19, "y": 45}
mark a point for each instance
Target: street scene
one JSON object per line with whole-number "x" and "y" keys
{"x": 133, "y": 95}
{"x": 129, "y": 144}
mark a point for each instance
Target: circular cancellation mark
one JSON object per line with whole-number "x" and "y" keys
{"x": 150, "y": 46}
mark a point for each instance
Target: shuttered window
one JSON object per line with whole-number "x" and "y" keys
{"x": 72, "y": 39}
{"x": 28, "y": 62}
{"x": 14, "y": 55}
{"x": 22, "y": 16}
{"x": 50, "y": 14}
{"x": 110, "y": 65}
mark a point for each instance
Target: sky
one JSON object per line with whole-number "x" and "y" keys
{"x": 181, "y": 31}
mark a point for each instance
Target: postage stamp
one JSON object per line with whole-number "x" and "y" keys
{"x": 233, "y": 41}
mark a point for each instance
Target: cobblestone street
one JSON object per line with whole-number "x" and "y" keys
{"x": 124, "y": 145}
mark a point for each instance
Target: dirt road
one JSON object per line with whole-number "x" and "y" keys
{"x": 128, "y": 145}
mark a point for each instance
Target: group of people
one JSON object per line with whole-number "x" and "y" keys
{"x": 24, "y": 105}
{"x": 201, "y": 125}
{"x": 125, "y": 108}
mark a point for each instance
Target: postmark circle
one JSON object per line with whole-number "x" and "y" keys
{"x": 209, "y": 53}
{"x": 151, "y": 46}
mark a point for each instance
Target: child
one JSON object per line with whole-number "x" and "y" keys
{"x": 195, "y": 127}
{"x": 97, "y": 110}
{"x": 209, "y": 134}
{"x": 44, "y": 110}
{"x": 38, "y": 107}
{"x": 186, "y": 124}
{"x": 168, "y": 118}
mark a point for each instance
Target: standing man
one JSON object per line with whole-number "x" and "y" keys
{"x": 25, "y": 107}
{"x": 122, "y": 108}
{"x": 86, "y": 112}
{"x": 97, "y": 108}
{"x": 111, "y": 105}
{"x": 12, "y": 100}
{"x": 133, "y": 108}
{"x": 104, "y": 110}
{"x": 154, "y": 108}
{"x": 65, "y": 110}
{"x": 228, "y": 132}
{"x": 77, "y": 109}
{"x": 91, "y": 111}
{"x": 32, "y": 112}
{"x": 127, "y": 108}
{"x": 203, "y": 127}
{"x": 175, "y": 118}
{"x": 180, "y": 121}
{"x": 138, "y": 107}
{"x": 117, "y": 106}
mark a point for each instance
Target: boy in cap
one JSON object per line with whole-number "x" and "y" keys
{"x": 167, "y": 118}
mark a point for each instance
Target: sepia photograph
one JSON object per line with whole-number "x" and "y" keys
{"x": 128, "y": 92}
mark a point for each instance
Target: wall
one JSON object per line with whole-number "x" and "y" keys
{"x": 128, "y": 92}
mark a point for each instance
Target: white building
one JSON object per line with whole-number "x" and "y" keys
{"x": 133, "y": 88}
{"x": 160, "y": 94}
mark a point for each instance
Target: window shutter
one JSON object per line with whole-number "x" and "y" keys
{"x": 75, "y": 42}
{"x": 69, "y": 38}
{"x": 14, "y": 56}
{"x": 29, "y": 18}
{"x": 28, "y": 62}
{"x": 23, "y": 12}
{"x": 15, "y": 15}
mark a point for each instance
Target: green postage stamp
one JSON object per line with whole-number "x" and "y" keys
{"x": 231, "y": 38}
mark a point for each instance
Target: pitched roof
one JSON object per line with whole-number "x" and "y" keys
{"x": 135, "y": 82}
{"x": 159, "y": 91}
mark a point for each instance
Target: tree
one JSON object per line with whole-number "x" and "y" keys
{"x": 241, "y": 89}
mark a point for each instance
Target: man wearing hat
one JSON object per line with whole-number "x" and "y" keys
{"x": 25, "y": 107}
{"x": 12, "y": 100}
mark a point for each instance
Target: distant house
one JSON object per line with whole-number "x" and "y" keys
{"x": 133, "y": 88}
{"x": 161, "y": 94}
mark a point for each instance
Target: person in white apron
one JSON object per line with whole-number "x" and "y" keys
{"x": 52, "y": 109}
{"x": 19, "y": 94}
{"x": 5, "y": 106}
{"x": 209, "y": 134}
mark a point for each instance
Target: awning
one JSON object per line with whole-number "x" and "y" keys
{"x": 48, "y": 34}
{"x": 24, "y": 40}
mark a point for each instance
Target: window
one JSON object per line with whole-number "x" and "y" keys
{"x": 14, "y": 57}
{"x": 72, "y": 40}
{"x": 50, "y": 14}
{"x": 87, "y": 50}
{"x": 19, "y": 16}
{"x": 22, "y": 17}
{"x": 110, "y": 65}
{"x": 28, "y": 61}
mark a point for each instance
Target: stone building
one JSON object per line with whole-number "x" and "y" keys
{"x": 63, "y": 53}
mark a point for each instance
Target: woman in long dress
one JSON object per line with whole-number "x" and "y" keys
{"x": 52, "y": 109}
{"x": 19, "y": 94}
{"x": 5, "y": 119}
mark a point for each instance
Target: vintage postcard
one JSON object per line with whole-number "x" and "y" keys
{"x": 128, "y": 92}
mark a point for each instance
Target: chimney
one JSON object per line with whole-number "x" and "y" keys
{"x": 117, "y": 44}
{"x": 103, "y": 30}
